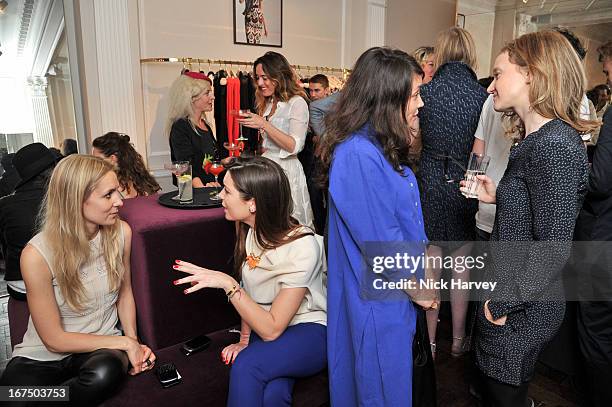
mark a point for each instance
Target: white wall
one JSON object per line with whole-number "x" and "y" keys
{"x": 479, "y": 22}
{"x": 592, "y": 66}
{"x": 415, "y": 23}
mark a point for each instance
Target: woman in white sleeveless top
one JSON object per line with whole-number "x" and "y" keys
{"x": 77, "y": 274}
{"x": 282, "y": 120}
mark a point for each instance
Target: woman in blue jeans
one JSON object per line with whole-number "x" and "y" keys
{"x": 282, "y": 298}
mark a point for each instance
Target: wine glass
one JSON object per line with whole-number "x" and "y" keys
{"x": 234, "y": 149}
{"x": 178, "y": 168}
{"x": 215, "y": 169}
{"x": 240, "y": 114}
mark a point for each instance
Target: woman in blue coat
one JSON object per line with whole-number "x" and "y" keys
{"x": 373, "y": 197}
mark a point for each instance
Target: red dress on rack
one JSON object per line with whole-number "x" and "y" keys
{"x": 233, "y": 103}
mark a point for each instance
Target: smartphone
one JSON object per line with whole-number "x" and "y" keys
{"x": 168, "y": 375}
{"x": 196, "y": 344}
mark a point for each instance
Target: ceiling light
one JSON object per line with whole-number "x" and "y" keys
{"x": 3, "y": 4}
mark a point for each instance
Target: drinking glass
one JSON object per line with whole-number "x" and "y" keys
{"x": 215, "y": 169}
{"x": 182, "y": 171}
{"x": 477, "y": 165}
{"x": 238, "y": 147}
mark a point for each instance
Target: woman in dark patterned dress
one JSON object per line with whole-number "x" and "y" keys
{"x": 254, "y": 21}
{"x": 539, "y": 82}
{"x": 453, "y": 101}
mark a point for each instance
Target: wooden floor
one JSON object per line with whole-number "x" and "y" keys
{"x": 548, "y": 388}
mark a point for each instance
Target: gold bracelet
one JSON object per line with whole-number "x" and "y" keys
{"x": 232, "y": 292}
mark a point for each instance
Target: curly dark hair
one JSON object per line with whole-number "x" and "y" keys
{"x": 131, "y": 171}
{"x": 377, "y": 92}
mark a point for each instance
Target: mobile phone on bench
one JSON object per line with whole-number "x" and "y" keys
{"x": 197, "y": 344}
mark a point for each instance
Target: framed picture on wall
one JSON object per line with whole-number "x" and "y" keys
{"x": 460, "y": 20}
{"x": 258, "y": 22}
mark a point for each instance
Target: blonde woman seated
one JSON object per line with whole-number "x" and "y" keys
{"x": 77, "y": 274}
{"x": 282, "y": 301}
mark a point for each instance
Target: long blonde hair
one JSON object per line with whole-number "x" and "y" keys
{"x": 455, "y": 44}
{"x": 557, "y": 83}
{"x": 64, "y": 228}
{"x": 182, "y": 92}
{"x": 277, "y": 68}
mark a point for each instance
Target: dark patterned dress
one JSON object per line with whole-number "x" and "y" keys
{"x": 253, "y": 22}
{"x": 453, "y": 102}
{"x": 538, "y": 201}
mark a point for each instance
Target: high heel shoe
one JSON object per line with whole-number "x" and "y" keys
{"x": 460, "y": 346}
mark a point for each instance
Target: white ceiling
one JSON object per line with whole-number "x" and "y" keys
{"x": 595, "y": 14}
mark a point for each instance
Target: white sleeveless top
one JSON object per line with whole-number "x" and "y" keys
{"x": 99, "y": 315}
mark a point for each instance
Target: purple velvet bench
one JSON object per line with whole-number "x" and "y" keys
{"x": 205, "y": 381}
{"x": 205, "y": 377}
{"x": 160, "y": 235}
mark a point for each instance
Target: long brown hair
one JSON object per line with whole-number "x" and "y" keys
{"x": 377, "y": 92}
{"x": 131, "y": 171}
{"x": 264, "y": 181}
{"x": 558, "y": 81}
{"x": 277, "y": 68}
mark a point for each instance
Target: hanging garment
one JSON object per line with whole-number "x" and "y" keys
{"x": 233, "y": 103}
{"x": 220, "y": 110}
{"x": 247, "y": 102}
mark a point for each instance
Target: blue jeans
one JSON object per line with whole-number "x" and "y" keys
{"x": 264, "y": 372}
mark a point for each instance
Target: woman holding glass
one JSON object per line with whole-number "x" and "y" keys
{"x": 77, "y": 274}
{"x": 191, "y": 138}
{"x": 539, "y": 82}
{"x": 282, "y": 118}
{"x": 282, "y": 299}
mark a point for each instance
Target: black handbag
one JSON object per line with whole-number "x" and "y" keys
{"x": 423, "y": 372}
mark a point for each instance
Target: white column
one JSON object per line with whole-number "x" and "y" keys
{"x": 118, "y": 66}
{"x": 43, "y": 132}
{"x": 376, "y": 17}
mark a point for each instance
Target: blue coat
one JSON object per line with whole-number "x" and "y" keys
{"x": 369, "y": 341}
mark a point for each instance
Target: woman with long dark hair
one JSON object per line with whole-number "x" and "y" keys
{"x": 282, "y": 299}
{"x": 282, "y": 118}
{"x": 134, "y": 178}
{"x": 373, "y": 197}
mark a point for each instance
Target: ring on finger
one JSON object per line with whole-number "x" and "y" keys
{"x": 148, "y": 362}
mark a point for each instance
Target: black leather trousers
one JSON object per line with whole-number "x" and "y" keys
{"x": 90, "y": 377}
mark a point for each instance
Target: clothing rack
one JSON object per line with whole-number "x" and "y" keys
{"x": 190, "y": 61}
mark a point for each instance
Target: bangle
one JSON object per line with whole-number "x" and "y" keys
{"x": 232, "y": 292}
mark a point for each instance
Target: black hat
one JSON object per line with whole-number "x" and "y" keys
{"x": 31, "y": 160}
